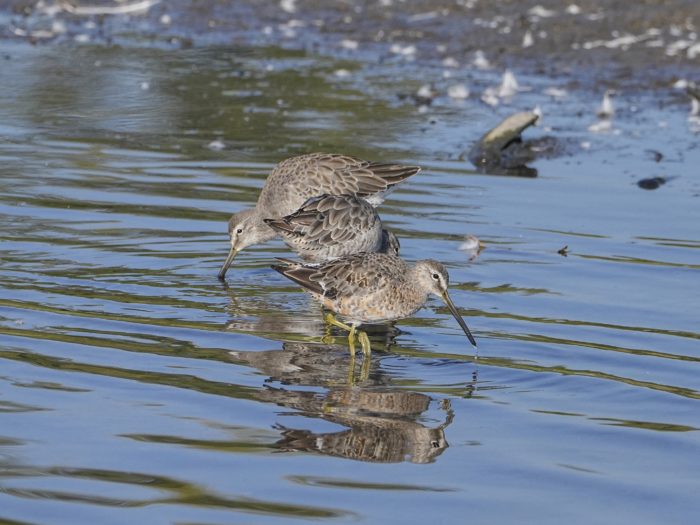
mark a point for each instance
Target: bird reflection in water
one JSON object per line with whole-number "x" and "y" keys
{"x": 381, "y": 426}
{"x": 382, "y": 423}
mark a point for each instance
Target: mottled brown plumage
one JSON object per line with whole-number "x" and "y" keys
{"x": 331, "y": 226}
{"x": 295, "y": 180}
{"x": 373, "y": 287}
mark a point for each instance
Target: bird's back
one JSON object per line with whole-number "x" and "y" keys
{"x": 331, "y": 226}
{"x": 364, "y": 287}
{"x": 295, "y": 180}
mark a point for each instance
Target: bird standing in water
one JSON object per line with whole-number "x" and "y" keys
{"x": 295, "y": 180}
{"x": 370, "y": 288}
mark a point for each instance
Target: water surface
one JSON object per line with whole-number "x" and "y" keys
{"x": 135, "y": 387}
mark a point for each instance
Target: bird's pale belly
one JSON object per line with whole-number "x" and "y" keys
{"x": 366, "y": 309}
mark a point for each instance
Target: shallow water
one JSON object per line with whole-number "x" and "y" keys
{"x": 135, "y": 387}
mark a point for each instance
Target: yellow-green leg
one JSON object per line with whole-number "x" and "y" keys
{"x": 330, "y": 319}
{"x": 351, "y": 341}
{"x": 364, "y": 341}
{"x": 352, "y": 329}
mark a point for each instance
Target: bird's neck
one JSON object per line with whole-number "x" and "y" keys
{"x": 414, "y": 276}
{"x": 263, "y": 232}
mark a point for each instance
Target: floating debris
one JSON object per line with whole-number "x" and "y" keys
{"x": 601, "y": 126}
{"x": 450, "y": 62}
{"x": 122, "y": 9}
{"x": 288, "y": 6}
{"x": 350, "y": 45}
{"x": 57, "y": 28}
{"x": 693, "y": 51}
{"x": 423, "y": 97}
{"x": 541, "y": 12}
{"x": 426, "y": 91}
{"x": 422, "y": 17}
{"x": 693, "y": 90}
{"x": 216, "y": 145}
{"x": 501, "y": 150}
{"x": 506, "y": 90}
{"x": 509, "y": 85}
{"x": 407, "y": 51}
{"x": 480, "y": 61}
{"x": 556, "y": 92}
{"x": 694, "y": 116}
{"x": 490, "y": 98}
{"x": 606, "y": 109}
{"x": 605, "y": 113}
{"x": 624, "y": 42}
{"x": 472, "y": 245}
{"x": 675, "y": 48}
{"x": 652, "y": 183}
{"x": 458, "y": 91}
{"x": 538, "y": 112}
{"x": 657, "y": 156}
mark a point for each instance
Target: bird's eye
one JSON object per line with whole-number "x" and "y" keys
{"x": 436, "y": 277}
{"x": 239, "y": 230}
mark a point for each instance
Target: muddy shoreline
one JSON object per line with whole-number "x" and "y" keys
{"x": 591, "y": 46}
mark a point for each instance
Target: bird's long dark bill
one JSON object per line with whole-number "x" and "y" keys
{"x": 455, "y": 313}
{"x": 227, "y": 263}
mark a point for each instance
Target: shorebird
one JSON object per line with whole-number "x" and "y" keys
{"x": 331, "y": 226}
{"x": 295, "y": 180}
{"x": 370, "y": 288}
